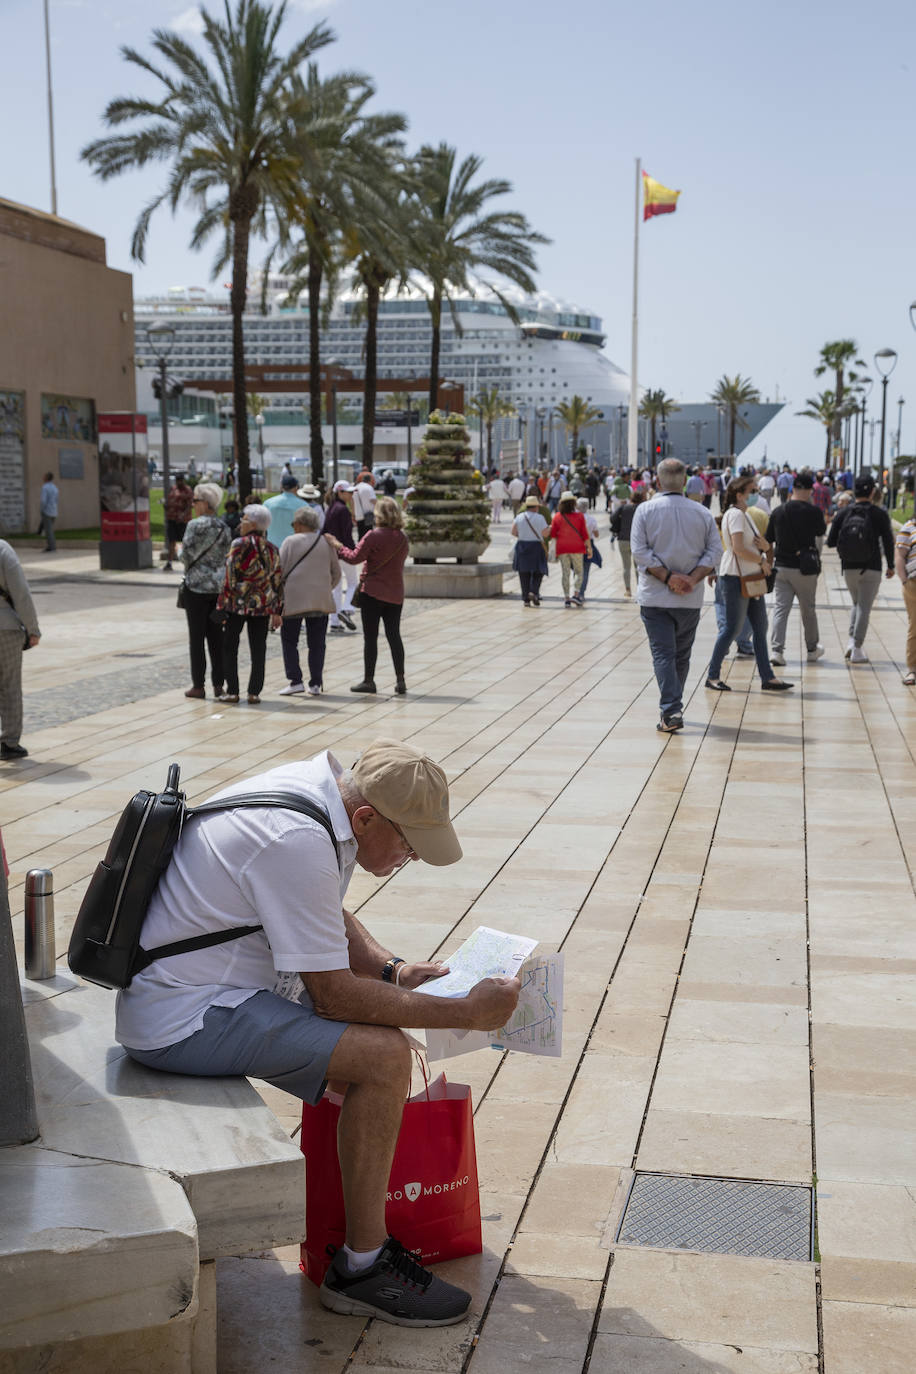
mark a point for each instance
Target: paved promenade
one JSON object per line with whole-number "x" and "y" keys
{"x": 737, "y": 911}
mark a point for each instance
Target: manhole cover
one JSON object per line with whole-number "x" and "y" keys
{"x": 720, "y": 1215}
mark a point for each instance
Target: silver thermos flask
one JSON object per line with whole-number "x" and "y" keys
{"x": 39, "y": 923}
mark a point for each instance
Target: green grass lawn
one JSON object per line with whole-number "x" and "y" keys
{"x": 92, "y": 535}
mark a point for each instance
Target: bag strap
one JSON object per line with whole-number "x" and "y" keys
{"x": 564, "y": 516}
{"x": 302, "y": 558}
{"x": 290, "y": 802}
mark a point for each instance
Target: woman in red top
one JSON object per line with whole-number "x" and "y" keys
{"x": 384, "y": 551}
{"x": 569, "y": 529}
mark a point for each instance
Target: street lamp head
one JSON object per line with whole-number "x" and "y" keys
{"x": 161, "y": 336}
{"x": 259, "y": 420}
{"x": 885, "y": 361}
{"x": 913, "y": 314}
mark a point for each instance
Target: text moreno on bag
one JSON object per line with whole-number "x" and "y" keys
{"x": 411, "y": 1191}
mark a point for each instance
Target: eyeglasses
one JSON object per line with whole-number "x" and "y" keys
{"x": 411, "y": 852}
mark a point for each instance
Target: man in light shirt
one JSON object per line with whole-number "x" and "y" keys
{"x": 675, "y": 545}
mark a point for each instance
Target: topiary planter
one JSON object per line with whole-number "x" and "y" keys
{"x": 448, "y": 512}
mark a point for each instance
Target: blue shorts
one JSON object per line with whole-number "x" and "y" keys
{"x": 267, "y": 1036}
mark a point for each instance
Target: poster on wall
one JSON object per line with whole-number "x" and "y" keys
{"x": 12, "y": 462}
{"x": 67, "y": 417}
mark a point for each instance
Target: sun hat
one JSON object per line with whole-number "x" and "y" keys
{"x": 309, "y": 493}
{"x": 408, "y": 789}
{"x": 343, "y": 486}
{"x": 532, "y": 502}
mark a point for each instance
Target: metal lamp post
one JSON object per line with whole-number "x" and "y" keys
{"x": 885, "y": 362}
{"x": 161, "y": 338}
{"x": 259, "y": 421}
{"x": 865, "y": 387}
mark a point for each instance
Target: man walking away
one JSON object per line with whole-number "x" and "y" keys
{"x": 795, "y": 529}
{"x": 905, "y": 564}
{"x": 48, "y": 509}
{"x": 17, "y": 618}
{"x": 516, "y": 489}
{"x": 860, "y": 533}
{"x": 364, "y": 503}
{"x": 675, "y": 544}
{"x": 784, "y": 484}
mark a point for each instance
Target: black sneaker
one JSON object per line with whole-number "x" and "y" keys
{"x": 13, "y": 751}
{"x": 670, "y": 721}
{"x": 396, "y": 1288}
{"x": 347, "y": 619}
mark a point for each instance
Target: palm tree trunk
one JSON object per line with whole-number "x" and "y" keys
{"x": 371, "y": 378}
{"x": 489, "y": 444}
{"x": 732, "y": 424}
{"x": 827, "y": 450}
{"x": 575, "y": 444}
{"x": 838, "y": 422}
{"x": 316, "y": 441}
{"x": 238, "y": 295}
{"x": 653, "y": 442}
{"x": 435, "y": 310}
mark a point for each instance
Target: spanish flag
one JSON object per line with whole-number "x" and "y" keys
{"x": 657, "y": 199}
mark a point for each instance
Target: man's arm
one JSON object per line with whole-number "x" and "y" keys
{"x": 900, "y": 562}
{"x": 887, "y": 539}
{"x": 13, "y": 579}
{"x": 338, "y": 995}
{"x": 644, "y": 556}
{"x": 835, "y": 526}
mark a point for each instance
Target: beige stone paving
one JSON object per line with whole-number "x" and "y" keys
{"x": 690, "y": 881}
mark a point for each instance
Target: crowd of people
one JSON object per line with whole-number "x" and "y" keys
{"x": 767, "y": 537}
{"x": 277, "y": 564}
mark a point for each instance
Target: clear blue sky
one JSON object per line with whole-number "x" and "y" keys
{"x": 789, "y": 129}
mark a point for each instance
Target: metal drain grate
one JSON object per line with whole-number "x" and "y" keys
{"x": 722, "y": 1216}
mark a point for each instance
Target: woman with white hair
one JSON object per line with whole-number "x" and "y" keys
{"x": 310, "y": 574}
{"x": 203, "y": 553}
{"x": 252, "y": 593}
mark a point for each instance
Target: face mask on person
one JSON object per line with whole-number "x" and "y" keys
{"x": 752, "y": 498}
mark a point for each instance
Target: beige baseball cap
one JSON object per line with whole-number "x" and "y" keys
{"x": 409, "y": 789}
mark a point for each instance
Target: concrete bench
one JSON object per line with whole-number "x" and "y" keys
{"x": 115, "y": 1216}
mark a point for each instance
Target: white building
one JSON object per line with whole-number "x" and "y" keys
{"x": 552, "y": 354}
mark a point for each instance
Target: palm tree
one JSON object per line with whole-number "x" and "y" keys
{"x": 223, "y": 122}
{"x": 655, "y": 406}
{"x": 576, "y": 414}
{"x": 731, "y": 393}
{"x": 353, "y": 162}
{"x": 834, "y": 358}
{"x": 490, "y": 407}
{"x": 456, "y": 235}
{"x": 829, "y": 412}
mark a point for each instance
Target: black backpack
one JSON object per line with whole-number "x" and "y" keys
{"x": 856, "y": 542}
{"x": 105, "y": 944}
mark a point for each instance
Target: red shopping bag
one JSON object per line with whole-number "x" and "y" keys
{"x": 433, "y": 1199}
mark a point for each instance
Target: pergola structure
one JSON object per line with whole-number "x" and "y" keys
{"x": 263, "y": 379}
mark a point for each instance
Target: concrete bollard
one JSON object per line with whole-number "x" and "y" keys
{"x": 39, "y": 924}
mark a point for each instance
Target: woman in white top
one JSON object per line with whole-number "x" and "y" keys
{"x": 530, "y": 556}
{"x": 745, "y": 554}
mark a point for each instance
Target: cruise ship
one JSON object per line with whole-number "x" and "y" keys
{"x": 553, "y": 352}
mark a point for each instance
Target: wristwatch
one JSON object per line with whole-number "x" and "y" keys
{"x": 389, "y": 968}
{"x": 667, "y": 578}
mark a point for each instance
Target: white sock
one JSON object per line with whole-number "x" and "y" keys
{"x": 357, "y": 1260}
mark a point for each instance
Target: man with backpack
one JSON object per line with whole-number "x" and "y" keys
{"x": 860, "y": 533}
{"x": 299, "y": 992}
{"x": 795, "y": 529}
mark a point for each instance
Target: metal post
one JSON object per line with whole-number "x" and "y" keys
{"x": 409, "y": 443}
{"x": 164, "y": 421}
{"x": 39, "y": 924}
{"x": 18, "y": 1119}
{"x": 633, "y": 417}
{"x": 334, "y": 451}
{"x": 50, "y": 110}
{"x": 884, "y": 381}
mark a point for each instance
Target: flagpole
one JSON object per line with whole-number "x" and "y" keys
{"x": 50, "y": 111}
{"x": 633, "y": 415}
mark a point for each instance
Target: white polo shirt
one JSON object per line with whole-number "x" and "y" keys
{"x": 269, "y": 866}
